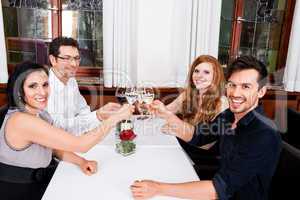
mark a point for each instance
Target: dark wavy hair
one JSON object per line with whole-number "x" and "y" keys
{"x": 15, "y": 90}
{"x": 249, "y": 62}
{"x": 61, "y": 41}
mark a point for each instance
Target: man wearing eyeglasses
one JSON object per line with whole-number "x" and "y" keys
{"x": 66, "y": 105}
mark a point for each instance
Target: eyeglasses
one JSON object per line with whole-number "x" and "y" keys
{"x": 69, "y": 59}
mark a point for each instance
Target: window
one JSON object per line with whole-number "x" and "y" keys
{"x": 260, "y": 28}
{"x": 30, "y": 25}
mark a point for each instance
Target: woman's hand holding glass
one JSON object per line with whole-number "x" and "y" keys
{"x": 107, "y": 110}
{"x": 124, "y": 113}
{"x": 159, "y": 109}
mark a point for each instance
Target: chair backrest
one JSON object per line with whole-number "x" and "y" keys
{"x": 284, "y": 182}
{"x": 292, "y": 135}
{"x": 289, "y": 162}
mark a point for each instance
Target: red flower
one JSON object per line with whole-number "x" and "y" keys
{"x": 127, "y": 135}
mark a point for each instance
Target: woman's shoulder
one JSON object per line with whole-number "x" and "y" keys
{"x": 19, "y": 117}
{"x": 24, "y": 122}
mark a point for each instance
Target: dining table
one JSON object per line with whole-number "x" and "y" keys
{"x": 158, "y": 156}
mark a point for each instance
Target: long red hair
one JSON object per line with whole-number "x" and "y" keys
{"x": 210, "y": 100}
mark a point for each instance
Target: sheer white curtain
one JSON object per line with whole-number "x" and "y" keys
{"x": 291, "y": 78}
{"x": 3, "y": 62}
{"x": 155, "y": 41}
{"x": 206, "y": 18}
{"x": 119, "y": 42}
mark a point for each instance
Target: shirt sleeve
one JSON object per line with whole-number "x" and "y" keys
{"x": 80, "y": 119}
{"x": 208, "y": 132}
{"x": 249, "y": 160}
{"x": 83, "y": 121}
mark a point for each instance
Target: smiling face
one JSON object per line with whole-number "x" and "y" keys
{"x": 67, "y": 61}
{"x": 36, "y": 91}
{"x": 243, "y": 91}
{"x": 203, "y": 75}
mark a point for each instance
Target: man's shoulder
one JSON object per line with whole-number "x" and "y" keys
{"x": 264, "y": 131}
{"x": 262, "y": 122}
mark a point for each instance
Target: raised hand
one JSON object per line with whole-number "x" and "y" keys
{"x": 124, "y": 112}
{"x": 159, "y": 109}
{"x": 107, "y": 110}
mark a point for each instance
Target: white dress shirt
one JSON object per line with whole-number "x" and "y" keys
{"x": 68, "y": 107}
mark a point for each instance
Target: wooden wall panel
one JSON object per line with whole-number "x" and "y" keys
{"x": 3, "y": 98}
{"x": 275, "y": 102}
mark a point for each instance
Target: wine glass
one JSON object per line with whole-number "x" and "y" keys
{"x": 148, "y": 95}
{"x": 120, "y": 95}
{"x": 131, "y": 95}
{"x": 145, "y": 98}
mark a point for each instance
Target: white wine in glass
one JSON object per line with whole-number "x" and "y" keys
{"x": 131, "y": 95}
{"x": 146, "y": 96}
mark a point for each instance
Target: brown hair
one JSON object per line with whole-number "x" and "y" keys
{"x": 211, "y": 99}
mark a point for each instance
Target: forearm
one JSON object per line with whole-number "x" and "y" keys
{"x": 176, "y": 105}
{"x": 182, "y": 129}
{"x": 93, "y": 137}
{"x": 69, "y": 157}
{"x": 190, "y": 190}
{"x": 173, "y": 107}
{"x": 79, "y": 124}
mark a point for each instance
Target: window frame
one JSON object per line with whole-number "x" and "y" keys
{"x": 285, "y": 33}
{"x": 18, "y": 43}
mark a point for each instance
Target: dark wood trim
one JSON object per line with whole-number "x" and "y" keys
{"x": 236, "y": 29}
{"x": 82, "y": 71}
{"x": 56, "y": 18}
{"x": 285, "y": 34}
{"x": 2, "y": 87}
{"x": 22, "y": 44}
{"x": 85, "y": 71}
{"x": 271, "y": 94}
{"x": 111, "y": 91}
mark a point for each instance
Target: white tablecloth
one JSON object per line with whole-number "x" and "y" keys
{"x": 158, "y": 157}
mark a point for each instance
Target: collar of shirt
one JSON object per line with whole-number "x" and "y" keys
{"x": 57, "y": 84}
{"x": 53, "y": 79}
{"x": 249, "y": 117}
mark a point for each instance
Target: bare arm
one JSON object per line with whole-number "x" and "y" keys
{"x": 191, "y": 190}
{"x": 177, "y": 127}
{"x": 35, "y": 130}
{"x": 88, "y": 167}
{"x": 68, "y": 157}
{"x": 176, "y": 105}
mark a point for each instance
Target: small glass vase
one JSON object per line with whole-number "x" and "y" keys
{"x": 125, "y": 138}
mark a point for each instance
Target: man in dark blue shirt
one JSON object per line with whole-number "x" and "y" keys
{"x": 249, "y": 143}
{"x": 249, "y": 154}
